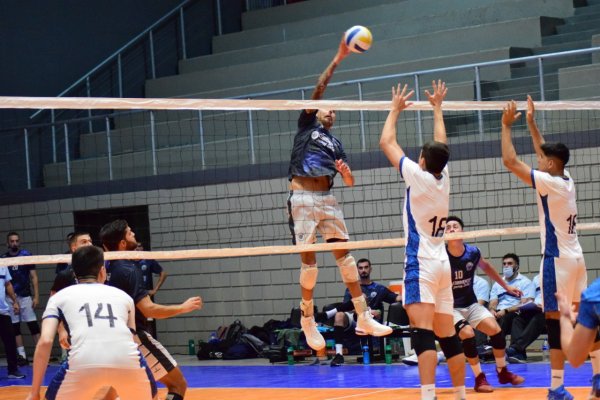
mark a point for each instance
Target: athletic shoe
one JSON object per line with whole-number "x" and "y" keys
{"x": 505, "y": 376}
{"x": 595, "y": 393}
{"x": 313, "y": 338}
{"x": 16, "y": 375}
{"x": 366, "y": 325}
{"x": 337, "y": 360}
{"x": 560, "y": 393}
{"x": 22, "y": 361}
{"x": 482, "y": 385}
{"x": 414, "y": 360}
{"x": 515, "y": 357}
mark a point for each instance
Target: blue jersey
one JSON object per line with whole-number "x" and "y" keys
{"x": 20, "y": 274}
{"x": 148, "y": 268}
{"x": 315, "y": 150}
{"x": 376, "y": 295}
{"x": 127, "y": 276}
{"x": 589, "y": 308}
{"x": 463, "y": 274}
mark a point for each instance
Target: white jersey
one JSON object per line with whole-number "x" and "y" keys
{"x": 426, "y": 206}
{"x": 98, "y": 318}
{"x": 557, "y": 211}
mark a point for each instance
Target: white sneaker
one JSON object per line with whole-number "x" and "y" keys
{"x": 313, "y": 336}
{"x": 414, "y": 360}
{"x": 366, "y": 325}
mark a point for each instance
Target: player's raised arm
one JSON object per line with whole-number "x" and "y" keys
{"x": 536, "y": 135}
{"x": 388, "y": 141}
{"x": 509, "y": 154}
{"x": 436, "y": 99}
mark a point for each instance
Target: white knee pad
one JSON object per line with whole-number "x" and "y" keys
{"x": 347, "y": 266}
{"x": 308, "y": 276}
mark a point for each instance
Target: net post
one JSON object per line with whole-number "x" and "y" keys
{"x": 251, "y": 138}
{"x": 153, "y": 143}
{"x": 182, "y": 32}
{"x": 151, "y": 44}
{"x": 108, "y": 149}
{"x": 478, "y": 96}
{"x": 26, "y": 136}
{"x": 363, "y": 141}
{"x": 88, "y": 91}
{"x": 419, "y": 116}
{"x": 201, "y": 131}
{"x": 52, "y": 120}
{"x": 542, "y": 91}
{"x": 67, "y": 157}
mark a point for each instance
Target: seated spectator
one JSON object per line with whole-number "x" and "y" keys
{"x": 503, "y": 305}
{"x": 527, "y": 326}
{"x": 376, "y": 295}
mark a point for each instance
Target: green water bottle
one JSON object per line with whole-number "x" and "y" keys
{"x": 191, "y": 347}
{"x": 290, "y": 355}
{"x": 388, "y": 353}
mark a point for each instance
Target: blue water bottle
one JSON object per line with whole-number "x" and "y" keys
{"x": 366, "y": 355}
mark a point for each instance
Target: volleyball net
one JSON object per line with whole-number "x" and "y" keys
{"x": 207, "y": 178}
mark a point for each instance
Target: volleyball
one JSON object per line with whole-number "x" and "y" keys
{"x": 358, "y": 39}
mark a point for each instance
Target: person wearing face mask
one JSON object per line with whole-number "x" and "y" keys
{"x": 504, "y": 306}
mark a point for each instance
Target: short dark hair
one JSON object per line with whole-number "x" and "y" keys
{"x": 436, "y": 155}
{"x": 556, "y": 150}
{"x": 12, "y": 233}
{"x": 73, "y": 236}
{"x": 87, "y": 261}
{"x": 455, "y": 218}
{"x": 513, "y": 256}
{"x": 112, "y": 233}
{"x": 362, "y": 260}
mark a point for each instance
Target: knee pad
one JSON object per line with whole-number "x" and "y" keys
{"x": 451, "y": 346}
{"x": 34, "y": 327}
{"x": 498, "y": 341}
{"x": 17, "y": 328}
{"x": 422, "y": 340}
{"x": 308, "y": 276}
{"x": 553, "y": 327}
{"x": 470, "y": 348}
{"x": 347, "y": 266}
{"x": 460, "y": 325}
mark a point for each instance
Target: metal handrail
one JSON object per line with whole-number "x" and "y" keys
{"x": 119, "y": 51}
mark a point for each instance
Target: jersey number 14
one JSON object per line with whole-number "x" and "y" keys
{"x": 98, "y": 314}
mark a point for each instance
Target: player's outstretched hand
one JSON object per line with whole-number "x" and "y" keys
{"x": 191, "y": 304}
{"x": 513, "y": 291}
{"x": 439, "y": 93}
{"x": 530, "y": 109}
{"x": 400, "y": 97}
{"x": 510, "y": 114}
{"x": 342, "y": 52}
{"x": 342, "y": 167}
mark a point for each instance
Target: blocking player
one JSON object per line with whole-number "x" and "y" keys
{"x": 317, "y": 157}
{"x": 427, "y": 282}
{"x": 469, "y": 314}
{"x": 562, "y": 268}
{"x": 101, "y": 320}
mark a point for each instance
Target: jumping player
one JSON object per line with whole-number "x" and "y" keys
{"x": 469, "y": 314}
{"x": 317, "y": 157}
{"x": 427, "y": 282}
{"x": 562, "y": 268}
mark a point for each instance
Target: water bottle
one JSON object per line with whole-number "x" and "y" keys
{"x": 290, "y": 355}
{"x": 366, "y": 355}
{"x": 191, "y": 347}
{"x": 545, "y": 350}
{"x": 388, "y": 353}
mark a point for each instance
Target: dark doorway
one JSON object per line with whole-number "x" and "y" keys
{"x": 137, "y": 217}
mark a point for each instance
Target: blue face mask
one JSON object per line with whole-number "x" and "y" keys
{"x": 507, "y": 272}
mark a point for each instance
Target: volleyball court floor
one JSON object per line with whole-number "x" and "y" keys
{"x": 257, "y": 379}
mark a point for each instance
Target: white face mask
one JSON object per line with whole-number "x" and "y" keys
{"x": 508, "y": 272}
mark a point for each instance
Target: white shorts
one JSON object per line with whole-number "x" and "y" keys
{"x": 157, "y": 357}
{"x": 310, "y": 212}
{"x": 473, "y": 314}
{"x": 26, "y": 313}
{"x": 130, "y": 384}
{"x": 429, "y": 281}
{"x": 565, "y": 275}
